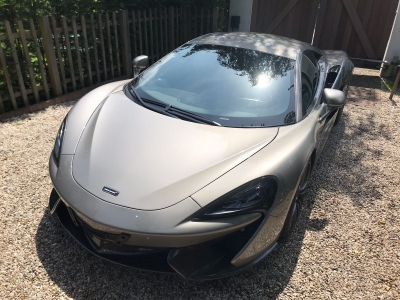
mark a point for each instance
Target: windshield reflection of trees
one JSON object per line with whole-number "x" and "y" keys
{"x": 250, "y": 63}
{"x": 290, "y": 118}
{"x": 246, "y": 62}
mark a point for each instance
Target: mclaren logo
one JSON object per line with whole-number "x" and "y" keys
{"x": 110, "y": 191}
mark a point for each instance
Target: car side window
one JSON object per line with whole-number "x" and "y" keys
{"x": 309, "y": 79}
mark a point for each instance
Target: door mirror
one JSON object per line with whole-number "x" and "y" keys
{"x": 334, "y": 98}
{"x": 140, "y": 63}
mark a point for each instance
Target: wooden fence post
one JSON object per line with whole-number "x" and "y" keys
{"x": 215, "y": 19}
{"x": 396, "y": 82}
{"x": 115, "y": 27}
{"x": 2, "y": 110}
{"x": 77, "y": 51}
{"x": 3, "y": 63}
{"x": 96, "y": 55}
{"x": 171, "y": 19}
{"x": 85, "y": 40}
{"x": 185, "y": 24}
{"x": 110, "y": 52}
{"x": 58, "y": 51}
{"x": 45, "y": 32}
{"x": 39, "y": 57}
{"x": 28, "y": 59}
{"x": 16, "y": 62}
{"x": 126, "y": 45}
{"x": 103, "y": 51}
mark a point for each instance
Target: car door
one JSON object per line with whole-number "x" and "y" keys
{"x": 326, "y": 116}
{"x": 313, "y": 66}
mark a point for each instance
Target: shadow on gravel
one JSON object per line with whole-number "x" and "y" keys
{"x": 366, "y": 81}
{"x": 346, "y": 155}
{"x": 83, "y": 276}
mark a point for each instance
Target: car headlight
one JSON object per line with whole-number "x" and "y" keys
{"x": 58, "y": 142}
{"x": 256, "y": 194}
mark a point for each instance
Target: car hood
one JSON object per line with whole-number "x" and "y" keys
{"x": 155, "y": 161}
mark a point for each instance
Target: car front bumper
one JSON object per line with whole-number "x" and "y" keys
{"x": 152, "y": 241}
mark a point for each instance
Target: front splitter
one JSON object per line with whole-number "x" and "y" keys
{"x": 206, "y": 262}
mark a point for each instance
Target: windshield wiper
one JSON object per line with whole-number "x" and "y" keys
{"x": 180, "y": 113}
{"x": 171, "y": 111}
{"x": 144, "y": 104}
{"x": 183, "y": 114}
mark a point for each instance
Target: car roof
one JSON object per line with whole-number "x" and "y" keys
{"x": 263, "y": 42}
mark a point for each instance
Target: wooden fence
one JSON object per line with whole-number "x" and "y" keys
{"x": 294, "y": 18}
{"x": 359, "y": 27}
{"x": 45, "y": 58}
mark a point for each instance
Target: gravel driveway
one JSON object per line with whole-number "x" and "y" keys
{"x": 347, "y": 245}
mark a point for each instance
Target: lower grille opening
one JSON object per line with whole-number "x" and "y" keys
{"x": 212, "y": 260}
{"x": 154, "y": 261}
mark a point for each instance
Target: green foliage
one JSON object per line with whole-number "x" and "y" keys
{"x": 12, "y": 83}
{"x": 22, "y": 9}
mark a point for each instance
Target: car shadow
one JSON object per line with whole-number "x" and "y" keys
{"x": 81, "y": 275}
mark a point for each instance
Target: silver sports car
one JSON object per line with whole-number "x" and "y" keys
{"x": 197, "y": 165}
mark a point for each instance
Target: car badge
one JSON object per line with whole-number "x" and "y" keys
{"x": 110, "y": 191}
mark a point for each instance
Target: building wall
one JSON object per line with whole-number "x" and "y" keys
{"x": 393, "y": 47}
{"x": 243, "y": 9}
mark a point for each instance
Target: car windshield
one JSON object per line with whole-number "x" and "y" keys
{"x": 234, "y": 87}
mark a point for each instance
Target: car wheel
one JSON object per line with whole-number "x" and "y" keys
{"x": 291, "y": 219}
{"x": 294, "y": 210}
{"x": 305, "y": 179}
{"x": 338, "y": 116}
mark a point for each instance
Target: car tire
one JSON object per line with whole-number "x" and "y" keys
{"x": 294, "y": 210}
{"x": 338, "y": 116}
{"x": 291, "y": 220}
